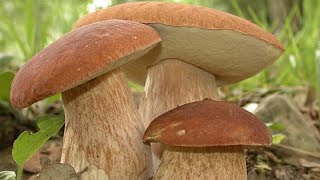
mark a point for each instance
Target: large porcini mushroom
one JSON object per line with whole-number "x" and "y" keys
{"x": 201, "y": 49}
{"x": 103, "y": 127}
{"x": 206, "y": 140}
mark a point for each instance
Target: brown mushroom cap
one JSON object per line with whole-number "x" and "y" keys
{"x": 208, "y": 123}
{"x": 225, "y": 45}
{"x": 80, "y": 56}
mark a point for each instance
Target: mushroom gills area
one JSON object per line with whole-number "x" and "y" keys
{"x": 171, "y": 83}
{"x": 231, "y": 55}
{"x": 205, "y": 163}
{"x": 103, "y": 130}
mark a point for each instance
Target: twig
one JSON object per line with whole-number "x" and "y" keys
{"x": 299, "y": 151}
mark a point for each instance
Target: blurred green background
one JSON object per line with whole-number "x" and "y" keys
{"x": 28, "y": 26}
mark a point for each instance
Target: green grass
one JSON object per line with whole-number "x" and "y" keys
{"x": 28, "y": 26}
{"x": 298, "y": 65}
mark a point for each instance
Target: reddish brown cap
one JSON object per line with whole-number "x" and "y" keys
{"x": 225, "y": 45}
{"x": 80, "y": 56}
{"x": 208, "y": 123}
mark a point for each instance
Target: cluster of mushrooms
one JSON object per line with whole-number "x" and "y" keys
{"x": 181, "y": 54}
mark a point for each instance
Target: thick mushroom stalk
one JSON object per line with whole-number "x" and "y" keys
{"x": 172, "y": 83}
{"x": 206, "y": 140}
{"x": 214, "y": 163}
{"x": 103, "y": 130}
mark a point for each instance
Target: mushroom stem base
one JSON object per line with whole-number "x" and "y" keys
{"x": 103, "y": 130}
{"x": 172, "y": 83}
{"x": 211, "y": 163}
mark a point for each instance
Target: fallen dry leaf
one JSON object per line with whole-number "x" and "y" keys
{"x": 58, "y": 171}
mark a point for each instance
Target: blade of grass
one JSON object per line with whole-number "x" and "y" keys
{"x": 29, "y": 25}
{"x": 235, "y": 6}
{"x": 13, "y": 33}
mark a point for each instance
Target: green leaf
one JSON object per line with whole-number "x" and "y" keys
{"x": 53, "y": 99}
{"x": 275, "y": 126}
{"x": 263, "y": 166}
{"x": 7, "y": 175}
{"x": 277, "y": 138}
{"x": 5, "y": 84}
{"x": 28, "y": 143}
{"x": 50, "y": 124}
{"x": 135, "y": 87}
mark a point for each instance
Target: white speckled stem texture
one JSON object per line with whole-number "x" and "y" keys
{"x": 208, "y": 163}
{"x": 104, "y": 130}
{"x": 171, "y": 83}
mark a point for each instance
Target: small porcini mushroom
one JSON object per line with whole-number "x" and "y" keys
{"x": 206, "y": 140}
{"x": 201, "y": 49}
{"x": 103, "y": 127}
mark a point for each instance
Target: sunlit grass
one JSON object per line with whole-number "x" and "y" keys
{"x": 28, "y": 26}
{"x": 298, "y": 64}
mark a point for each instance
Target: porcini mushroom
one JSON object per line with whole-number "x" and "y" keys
{"x": 206, "y": 140}
{"x": 201, "y": 49}
{"x": 103, "y": 128}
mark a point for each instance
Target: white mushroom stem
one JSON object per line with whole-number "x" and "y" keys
{"x": 103, "y": 130}
{"x": 214, "y": 163}
{"x": 171, "y": 83}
